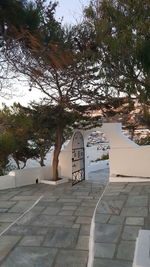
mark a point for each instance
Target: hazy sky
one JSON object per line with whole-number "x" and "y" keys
{"x": 70, "y": 11}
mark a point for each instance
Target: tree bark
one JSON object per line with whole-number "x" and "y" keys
{"x": 18, "y": 165}
{"x": 132, "y": 131}
{"x": 42, "y": 156}
{"x": 57, "y": 149}
{"x": 24, "y": 165}
{"x": 16, "y": 160}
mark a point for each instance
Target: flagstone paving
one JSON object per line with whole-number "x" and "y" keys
{"x": 55, "y": 232}
{"x": 122, "y": 212}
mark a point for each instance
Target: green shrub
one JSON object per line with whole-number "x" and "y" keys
{"x": 144, "y": 141}
{"x": 104, "y": 157}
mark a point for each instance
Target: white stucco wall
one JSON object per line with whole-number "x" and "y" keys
{"x": 130, "y": 161}
{"x": 115, "y": 136}
{"x": 23, "y": 177}
{"x": 28, "y": 176}
{"x": 7, "y": 181}
{"x": 126, "y": 157}
{"x": 65, "y": 161}
{"x": 91, "y": 153}
{"x": 65, "y": 164}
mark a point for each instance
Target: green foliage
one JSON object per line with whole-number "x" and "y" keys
{"x": 42, "y": 132}
{"x": 30, "y": 132}
{"x": 146, "y": 116}
{"x": 18, "y": 126}
{"x": 144, "y": 141}
{"x": 122, "y": 37}
{"x": 50, "y": 60}
{"x": 143, "y": 54}
{"x": 18, "y": 14}
{"x": 105, "y": 157}
{"x": 7, "y": 145}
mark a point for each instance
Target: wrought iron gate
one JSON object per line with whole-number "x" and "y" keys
{"x": 78, "y": 164}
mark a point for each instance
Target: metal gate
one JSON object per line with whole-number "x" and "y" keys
{"x": 78, "y": 164}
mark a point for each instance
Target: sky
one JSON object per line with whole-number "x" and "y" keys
{"x": 71, "y": 12}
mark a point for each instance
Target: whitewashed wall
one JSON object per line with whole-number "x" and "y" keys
{"x": 126, "y": 157}
{"x": 65, "y": 164}
{"x": 7, "y": 181}
{"x": 23, "y": 177}
{"x": 91, "y": 153}
{"x": 130, "y": 161}
{"x": 115, "y": 136}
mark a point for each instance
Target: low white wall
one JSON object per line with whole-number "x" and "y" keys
{"x": 7, "y": 181}
{"x": 29, "y": 176}
{"x": 126, "y": 157}
{"x": 23, "y": 177}
{"x": 133, "y": 161}
{"x": 65, "y": 164}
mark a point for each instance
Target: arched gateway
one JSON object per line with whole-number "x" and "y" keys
{"x": 78, "y": 158}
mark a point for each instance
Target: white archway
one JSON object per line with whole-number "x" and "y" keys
{"x": 126, "y": 158}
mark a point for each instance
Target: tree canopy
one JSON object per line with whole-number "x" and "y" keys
{"x": 51, "y": 62}
{"x": 122, "y": 37}
{"x": 104, "y": 56}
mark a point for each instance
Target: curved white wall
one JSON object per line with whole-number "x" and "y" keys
{"x": 125, "y": 157}
{"x": 115, "y": 136}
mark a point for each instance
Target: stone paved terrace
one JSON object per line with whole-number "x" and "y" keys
{"x": 55, "y": 232}
{"x": 122, "y": 212}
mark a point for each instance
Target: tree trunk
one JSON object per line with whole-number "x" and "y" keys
{"x": 42, "y": 156}
{"x": 57, "y": 149}
{"x": 132, "y": 133}
{"x": 16, "y": 160}
{"x": 24, "y": 164}
{"x": 18, "y": 165}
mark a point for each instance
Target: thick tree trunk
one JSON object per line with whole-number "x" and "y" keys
{"x": 42, "y": 156}
{"x": 57, "y": 149}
